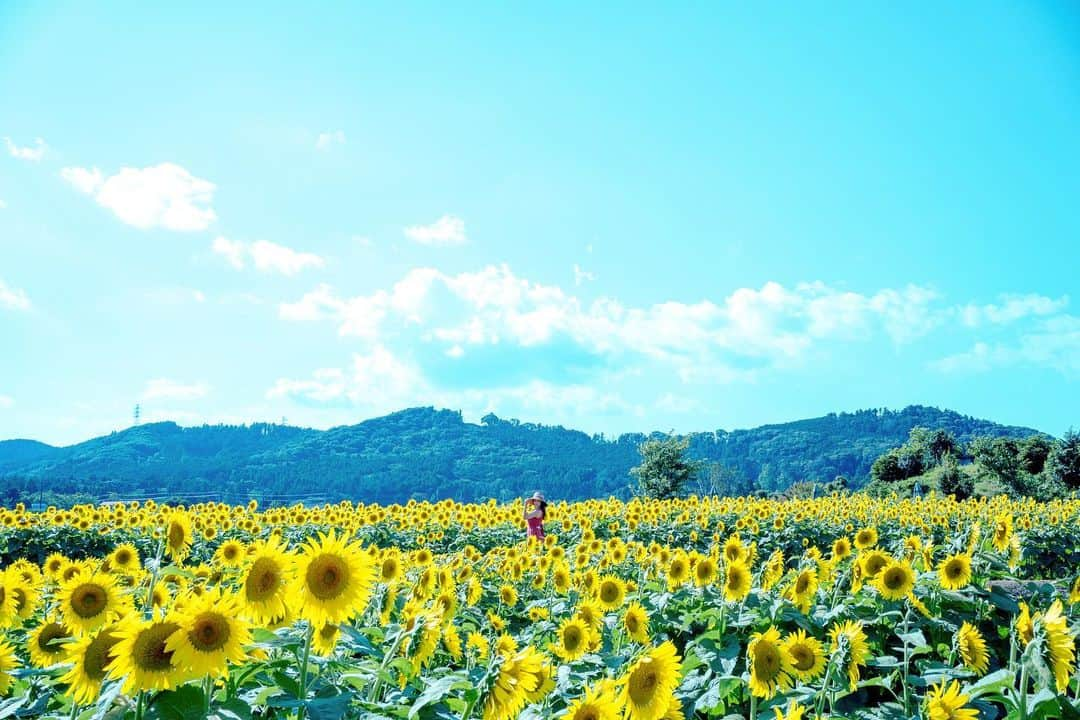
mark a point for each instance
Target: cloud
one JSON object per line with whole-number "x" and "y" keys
{"x": 6, "y": 402}
{"x": 161, "y": 196}
{"x": 327, "y": 140}
{"x": 582, "y": 276}
{"x": 3, "y": 205}
{"x": 378, "y": 380}
{"x": 447, "y": 230}
{"x": 265, "y": 256}
{"x": 13, "y": 298}
{"x": 1053, "y": 343}
{"x": 32, "y": 153}
{"x": 163, "y": 388}
{"x": 1010, "y": 309}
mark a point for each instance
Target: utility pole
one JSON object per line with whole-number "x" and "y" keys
{"x": 138, "y": 411}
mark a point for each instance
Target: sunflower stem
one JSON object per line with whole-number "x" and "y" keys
{"x": 207, "y": 689}
{"x": 139, "y": 705}
{"x": 753, "y": 706}
{"x": 302, "y": 710}
{"x": 1022, "y": 697}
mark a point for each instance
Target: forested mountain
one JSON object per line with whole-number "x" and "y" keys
{"x": 431, "y": 454}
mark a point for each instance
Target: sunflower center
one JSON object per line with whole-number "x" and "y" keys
{"x": 766, "y": 660}
{"x": 609, "y": 592}
{"x": 148, "y": 652}
{"x": 328, "y": 631}
{"x": 19, "y": 595}
{"x": 894, "y": 578}
{"x": 642, "y": 685}
{"x": 572, "y": 638}
{"x": 632, "y": 623}
{"x": 123, "y": 557}
{"x": 176, "y": 534}
{"x": 327, "y": 577}
{"x": 802, "y": 583}
{"x": 263, "y": 579}
{"x": 804, "y": 659}
{"x": 49, "y": 633}
{"x": 209, "y": 632}
{"x": 96, "y": 658}
{"x": 89, "y": 600}
{"x": 954, "y": 570}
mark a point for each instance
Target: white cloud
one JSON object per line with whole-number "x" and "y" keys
{"x": 1011, "y": 309}
{"x": 163, "y": 388}
{"x": 13, "y": 298}
{"x": 447, "y": 230}
{"x": 32, "y": 153}
{"x": 85, "y": 181}
{"x": 265, "y": 256}
{"x": 3, "y": 205}
{"x": 165, "y": 196}
{"x": 582, "y": 276}
{"x": 327, "y": 140}
{"x": 378, "y": 380}
{"x": 6, "y": 402}
{"x": 1053, "y": 343}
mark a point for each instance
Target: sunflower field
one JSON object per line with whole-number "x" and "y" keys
{"x": 841, "y": 607}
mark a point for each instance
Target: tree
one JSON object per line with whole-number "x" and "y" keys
{"x": 664, "y": 468}
{"x": 954, "y": 481}
{"x": 1033, "y": 454}
{"x": 998, "y": 456}
{"x": 1064, "y": 460}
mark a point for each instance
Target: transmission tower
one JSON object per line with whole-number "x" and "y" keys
{"x": 138, "y": 411}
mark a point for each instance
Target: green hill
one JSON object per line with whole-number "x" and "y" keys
{"x": 432, "y": 454}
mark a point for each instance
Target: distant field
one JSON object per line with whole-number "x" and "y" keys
{"x": 843, "y": 606}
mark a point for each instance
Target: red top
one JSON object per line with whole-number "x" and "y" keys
{"x": 536, "y": 527}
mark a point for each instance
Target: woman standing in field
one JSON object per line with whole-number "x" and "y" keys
{"x": 535, "y": 510}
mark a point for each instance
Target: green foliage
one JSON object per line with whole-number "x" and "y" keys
{"x": 1064, "y": 461}
{"x": 664, "y": 468}
{"x": 430, "y": 454}
{"x": 954, "y": 481}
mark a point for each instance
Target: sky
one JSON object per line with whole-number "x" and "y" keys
{"x": 614, "y": 218}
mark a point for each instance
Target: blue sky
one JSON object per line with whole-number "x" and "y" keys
{"x": 610, "y": 218}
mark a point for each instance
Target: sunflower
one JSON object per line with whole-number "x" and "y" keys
{"x": 1074, "y": 592}
{"x": 1003, "y": 531}
{"x": 478, "y": 644}
{"x": 335, "y": 583}
{"x": 972, "y": 648}
{"x": 737, "y": 581}
{"x": 895, "y": 581}
{"x": 948, "y": 703}
{"x": 519, "y": 677}
{"x": 211, "y": 634}
{"x": 45, "y": 644}
{"x": 591, "y": 612}
{"x": 611, "y": 592}
{"x": 866, "y": 538}
{"x": 141, "y": 658}
{"x": 841, "y": 548}
{"x": 678, "y": 571}
{"x": 801, "y": 592}
{"x": 774, "y": 570}
{"x": 807, "y": 655}
{"x": 705, "y": 572}
{"x": 848, "y": 637}
{"x": 1025, "y": 628}
{"x": 734, "y": 549}
{"x": 425, "y": 640}
{"x": 19, "y": 597}
{"x": 872, "y": 562}
{"x": 573, "y": 639}
{"x": 795, "y": 711}
{"x": 636, "y": 623}
{"x": 508, "y": 595}
{"x": 1060, "y": 645}
{"x": 124, "y": 559}
{"x": 598, "y": 703}
{"x": 452, "y": 641}
{"x": 178, "y": 535}
{"x": 390, "y": 568}
{"x": 648, "y": 687}
{"x": 89, "y": 656}
{"x": 90, "y": 600}
{"x": 955, "y": 571}
{"x": 230, "y": 553}
{"x": 8, "y": 662}
{"x": 769, "y": 662}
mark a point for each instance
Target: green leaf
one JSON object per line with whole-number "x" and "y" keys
{"x": 333, "y": 707}
{"x": 184, "y": 703}
{"x": 436, "y": 691}
{"x": 995, "y": 682}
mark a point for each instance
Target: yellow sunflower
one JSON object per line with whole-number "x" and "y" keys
{"x": 648, "y": 687}
{"x": 769, "y": 663}
{"x": 90, "y": 600}
{"x": 737, "y": 581}
{"x": 124, "y": 559}
{"x": 948, "y": 703}
{"x": 178, "y": 535}
{"x": 972, "y": 648}
{"x": 954, "y": 572}
{"x": 1074, "y": 592}
{"x": 795, "y": 711}
{"x": 611, "y": 592}
{"x": 807, "y": 655}
{"x": 141, "y": 658}
{"x": 230, "y": 553}
{"x": 1060, "y": 645}
{"x": 89, "y": 658}
{"x": 573, "y": 639}
{"x": 802, "y": 590}
{"x": 335, "y": 580}
{"x": 895, "y": 580}
{"x": 519, "y": 677}
{"x": 636, "y": 623}
{"x": 46, "y": 644}
{"x": 705, "y": 571}
{"x": 210, "y": 636}
{"x": 8, "y": 662}
{"x": 598, "y": 703}
{"x": 866, "y": 538}
{"x": 508, "y": 595}
{"x": 848, "y": 638}
{"x": 268, "y": 574}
